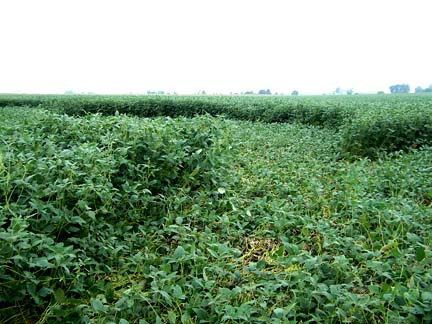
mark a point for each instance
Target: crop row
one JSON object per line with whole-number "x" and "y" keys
{"x": 273, "y": 109}
{"x": 71, "y": 188}
{"x": 368, "y": 124}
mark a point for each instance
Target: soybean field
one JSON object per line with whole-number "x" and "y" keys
{"x": 215, "y": 209}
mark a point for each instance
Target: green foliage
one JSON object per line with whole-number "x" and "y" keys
{"x": 116, "y": 219}
{"x": 328, "y": 111}
{"x": 70, "y": 188}
{"x": 265, "y": 109}
{"x": 387, "y": 131}
{"x": 272, "y": 109}
{"x": 22, "y": 100}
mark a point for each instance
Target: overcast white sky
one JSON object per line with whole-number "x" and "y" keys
{"x": 314, "y": 46}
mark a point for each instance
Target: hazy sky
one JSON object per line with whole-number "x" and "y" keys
{"x": 314, "y": 46}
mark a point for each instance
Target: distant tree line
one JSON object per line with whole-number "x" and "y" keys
{"x": 405, "y": 88}
{"x": 159, "y": 92}
{"x": 260, "y": 92}
{"x": 264, "y": 92}
{"x": 268, "y": 92}
{"x": 400, "y": 88}
{"x": 421, "y": 90}
{"x": 340, "y": 91}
